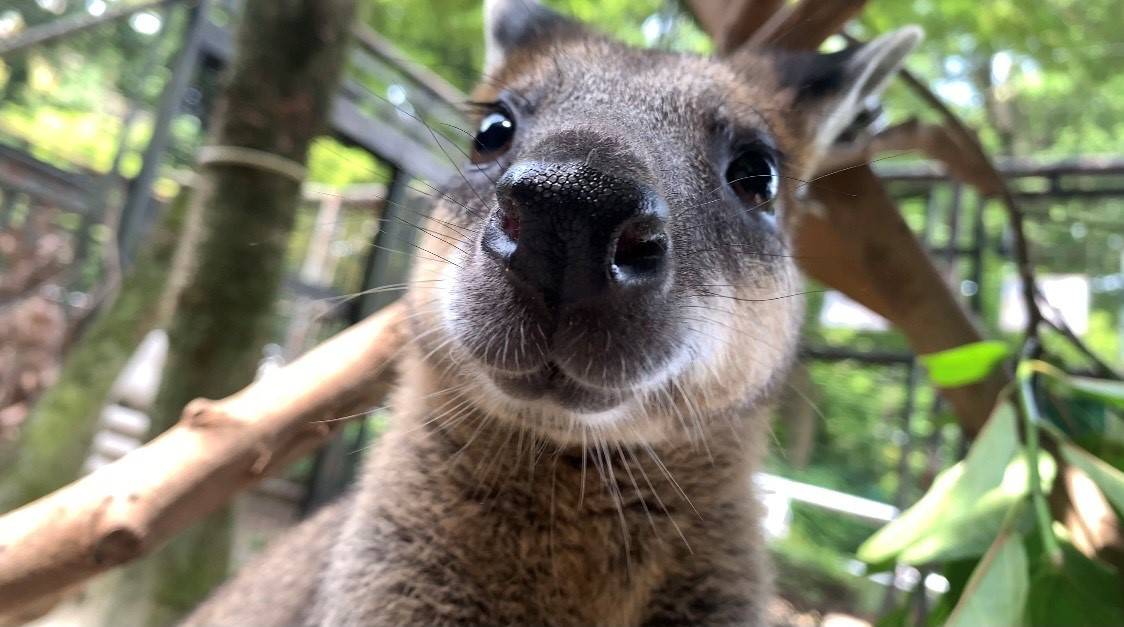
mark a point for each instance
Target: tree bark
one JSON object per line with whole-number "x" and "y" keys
{"x": 803, "y": 25}
{"x": 274, "y": 102}
{"x": 742, "y": 17}
{"x": 61, "y": 426}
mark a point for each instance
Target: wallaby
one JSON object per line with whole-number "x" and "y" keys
{"x": 606, "y": 302}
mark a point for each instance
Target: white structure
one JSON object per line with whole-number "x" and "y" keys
{"x": 840, "y": 312}
{"x": 1068, "y": 293}
{"x": 124, "y": 419}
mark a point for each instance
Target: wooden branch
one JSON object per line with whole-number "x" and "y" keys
{"x": 218, "y": 448}
{"x": 732, "y": 22}
{"x": 974, "y": 152}
{"x": 862, "y": 247}
{"x": 804, "y": 25}
{"x": 938, "y": 142}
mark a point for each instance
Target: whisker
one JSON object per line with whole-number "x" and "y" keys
{"x": 763, "y": 300}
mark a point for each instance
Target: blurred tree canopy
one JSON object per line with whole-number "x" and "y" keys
{"x": 1047, "y": 74}
{"x": 115, "y": 53}
{"x": 1040, "y": 78}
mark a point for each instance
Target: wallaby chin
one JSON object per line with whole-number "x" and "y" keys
{"x": 609, "y": 302}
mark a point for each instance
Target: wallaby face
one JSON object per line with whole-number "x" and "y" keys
{"x": 615, "y": 256}
{"x": 605, "y": 287}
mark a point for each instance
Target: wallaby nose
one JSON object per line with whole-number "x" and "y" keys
{"x": 571, "y": 234}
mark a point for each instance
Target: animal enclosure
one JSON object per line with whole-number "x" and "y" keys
{"x": 189, "y": 211}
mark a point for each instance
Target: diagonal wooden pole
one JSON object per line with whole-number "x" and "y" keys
{"x": 219, "y": 448}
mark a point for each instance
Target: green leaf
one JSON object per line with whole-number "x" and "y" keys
{"x": 954, "y": 491}
{"x": 1080, "y": 592}
{"x": 1104, "y": 390}
{"x": 997, "y": 591}
{"x": 969, "y": 531}
{"x": 1113, "y": 429}
{"x": 964, "y": 364}
{"x": 957, "y": 572}
{"x": 1107, "y": 391}
{"x": 889, "y": 541}
{"x": 1107, "y": 478}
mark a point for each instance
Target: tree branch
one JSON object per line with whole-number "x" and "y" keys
{"x": 732, "y": 22}
{"x": 975, "y": 153}
{"x": 1059, "y": 324}
{"x": 73, "y": 24}
{"x": 938, "y": 142}
{"x": 861, "y": 246}
{"x": 804, "y": 25}
{"x": 130, "y": 507}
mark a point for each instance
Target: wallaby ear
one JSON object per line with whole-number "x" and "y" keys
{"x": 831, "y": 89}
{"x": 513, "y": 24}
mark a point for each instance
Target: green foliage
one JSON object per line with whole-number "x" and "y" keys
{"x": 1111, "y": 392}
{"x": 1108, "y": 479}
{"x": 968, "y": 530}
{"x": 117, "y": 52}
{"x": 1079, "y": 592}
{"x": 997, "y": 592}
{"x": 1028, "y": 60}
{"x": 954, "y": 496}
{"x": 332, "y": 163}
{"x": 965, "y": 364}
{"x": 970, "y": 508}
{"x": 64, "y": 134}
{"x": 831, "y": 533}
{"x": 859, "y": 429}
{"x": 446, "y": 36}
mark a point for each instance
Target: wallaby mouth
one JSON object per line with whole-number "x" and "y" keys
{"x": 550, "y": 383}
{"x": 588, "y": 359}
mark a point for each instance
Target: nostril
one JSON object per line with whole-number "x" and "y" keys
{"x": 634, "y": 251}
{"x": 509, "y": 222}
{"x": 501, "y": 236}
{"x": 640, "y": 250}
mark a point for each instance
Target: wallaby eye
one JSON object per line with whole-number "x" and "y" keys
{"x": 753, "y": 177}
{"x": 494, "y": 136}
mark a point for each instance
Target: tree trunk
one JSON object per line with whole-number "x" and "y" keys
{"x": 57, "y": 437}
{"x": 275, "y": 101}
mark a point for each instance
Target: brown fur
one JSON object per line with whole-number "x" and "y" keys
{"x": 480, "y": 508}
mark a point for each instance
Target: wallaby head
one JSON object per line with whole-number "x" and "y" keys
{"x": 615, "y": 255}
{"x": 610, "y": 274}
